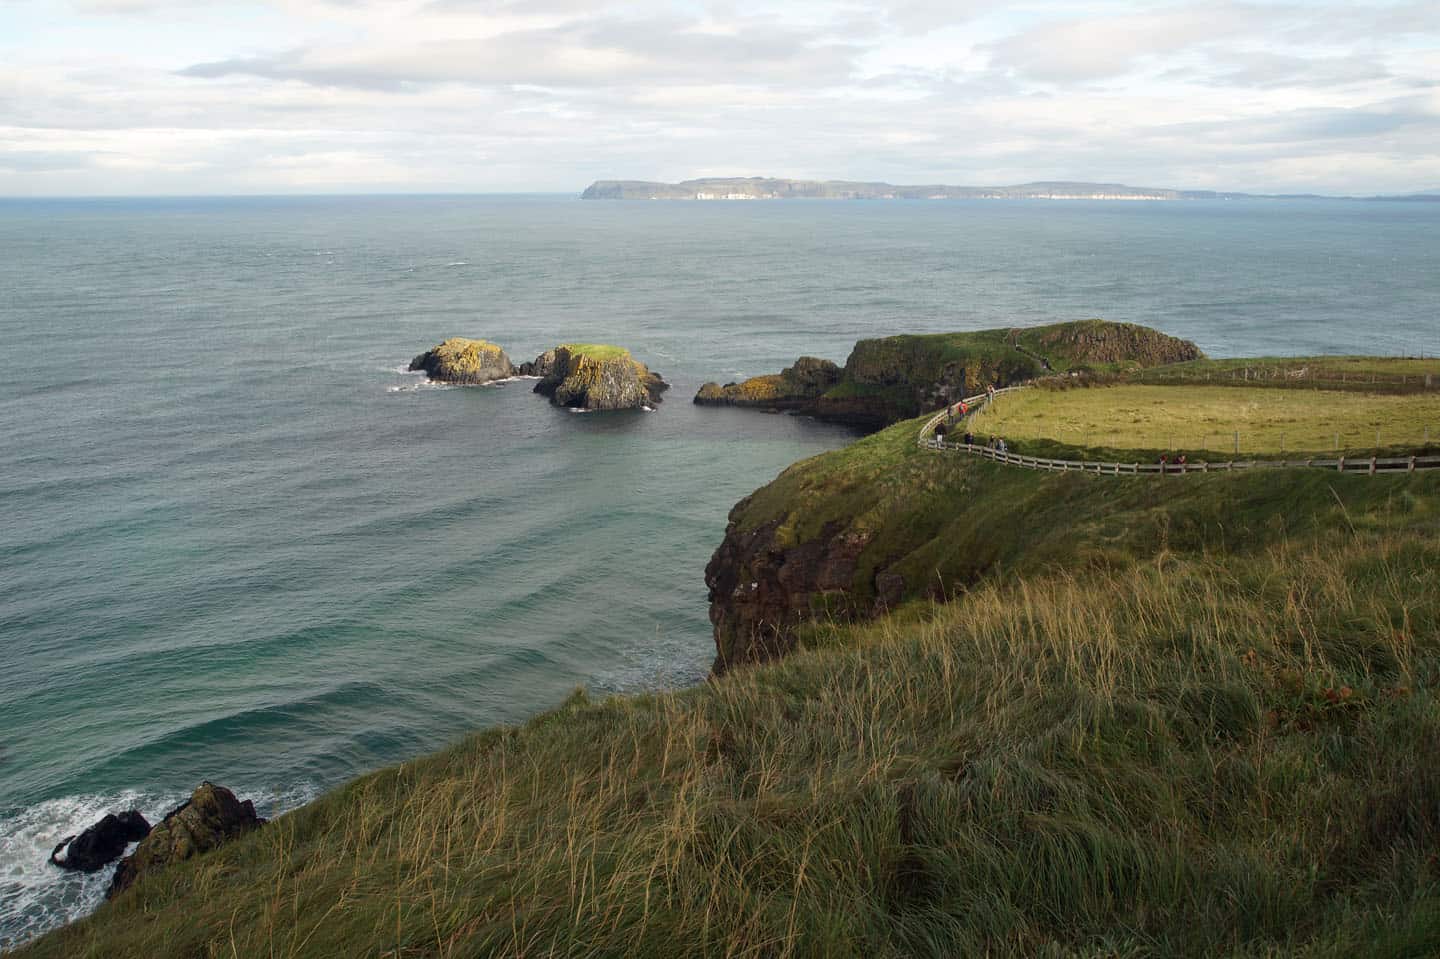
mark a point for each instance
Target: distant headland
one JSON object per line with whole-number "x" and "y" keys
{"x": 774, "y": 188}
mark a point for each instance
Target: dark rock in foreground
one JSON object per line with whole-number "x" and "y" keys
{"x": 102, "y": 843}
{"x": 595, "y": 377}
{"x": 465, "y": 362}
{"x": 211, "y": 817}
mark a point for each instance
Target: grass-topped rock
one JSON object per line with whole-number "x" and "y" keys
{"x": 896, "y": 377}
{"x": 464, "y": 361}
{"x": 595, "y": 376}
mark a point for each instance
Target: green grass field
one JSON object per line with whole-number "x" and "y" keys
{"x": 1202, "y": 419}
{"x": 596, "y": 351}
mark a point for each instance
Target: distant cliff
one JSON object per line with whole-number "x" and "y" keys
{"x": 771, "y": 188}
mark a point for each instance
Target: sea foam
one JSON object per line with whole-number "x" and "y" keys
{"x": 36, "y": 896}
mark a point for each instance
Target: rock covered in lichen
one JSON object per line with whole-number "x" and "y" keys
{"x": 596, "y": 377}
{"x": 464, "y": 361}
{"x": 792, "y": 387}
{"x": 211, "y": 817}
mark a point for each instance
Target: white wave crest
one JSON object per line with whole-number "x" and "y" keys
{"x": 416, "y": 387}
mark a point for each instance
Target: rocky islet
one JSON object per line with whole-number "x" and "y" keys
{"x": 589, "y": 376}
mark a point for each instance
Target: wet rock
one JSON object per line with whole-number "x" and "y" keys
{"x": 102, "y": 843}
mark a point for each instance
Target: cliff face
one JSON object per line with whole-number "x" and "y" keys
{"x": 585, "y": 376}
{"x": 464, "y": 361}
{"x": 763, "y": 588}
{"x": 896, "y": 377}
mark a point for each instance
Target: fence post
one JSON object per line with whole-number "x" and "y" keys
{"x": 1412, "y": 465}
{"x": 1341, "y": 466}
{"x": 1372, "y": 466}
{"x": 1237, "y": 441}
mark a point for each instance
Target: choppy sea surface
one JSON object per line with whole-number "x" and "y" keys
{"x": 239, "y": 543}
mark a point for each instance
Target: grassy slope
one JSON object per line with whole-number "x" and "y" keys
{"x": 1198, "y": 418}
{"x": 1199, "y": 737}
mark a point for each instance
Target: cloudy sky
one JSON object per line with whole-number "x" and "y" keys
{"x": 311, "y": 96}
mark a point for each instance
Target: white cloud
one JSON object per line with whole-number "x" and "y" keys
{"x": 318, "y": 95}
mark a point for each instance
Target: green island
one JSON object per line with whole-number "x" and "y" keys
{"x": 958, "y": 708}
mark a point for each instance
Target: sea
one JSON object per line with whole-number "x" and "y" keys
{"x": 240, "y": 542}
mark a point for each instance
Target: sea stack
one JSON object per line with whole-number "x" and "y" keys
{"x": 594, "y": 376}
{"x": 465, "y": 362}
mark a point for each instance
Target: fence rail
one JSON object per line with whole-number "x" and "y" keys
{"x": 1367, "y": 465}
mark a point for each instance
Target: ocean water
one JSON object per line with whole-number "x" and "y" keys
{"x": 239, "y": 542}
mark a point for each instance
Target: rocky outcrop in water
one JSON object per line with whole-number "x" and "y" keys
{"x": 211, "y": 817}
{"x": 792, "y": 388}
{"x": 102, "y": 843}
{"x": 596, "y": 377}
{"x": 465, "y": 362}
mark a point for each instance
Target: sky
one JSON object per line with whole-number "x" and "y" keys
{"x": 169, "y": 97}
